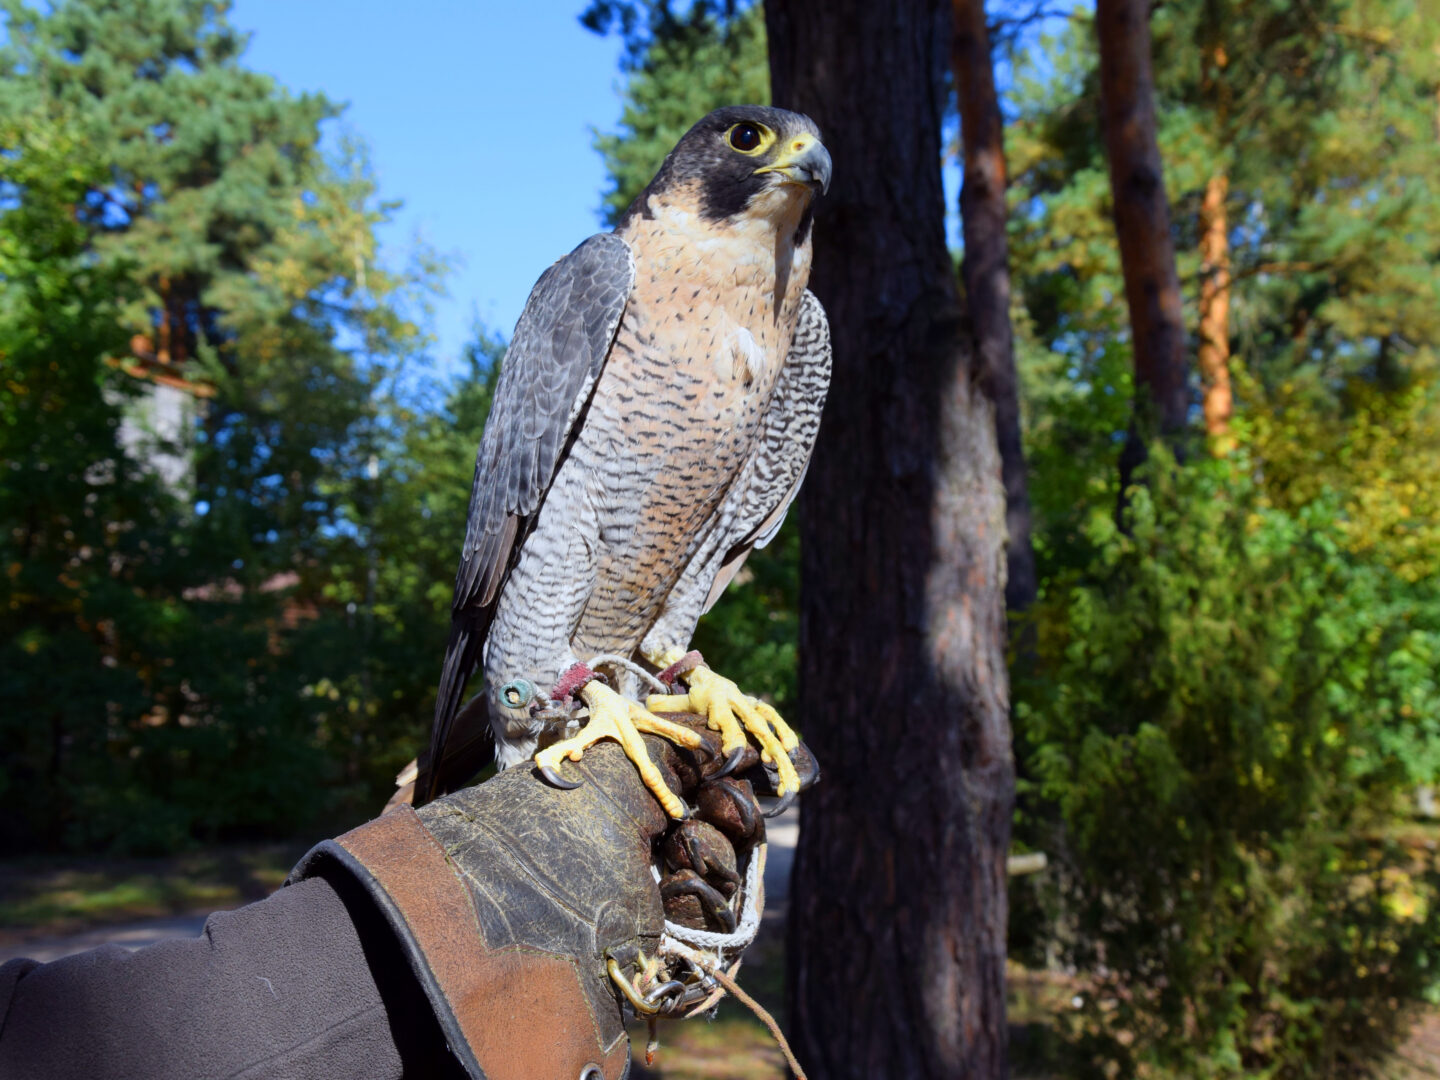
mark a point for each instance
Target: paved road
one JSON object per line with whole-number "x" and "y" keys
{"x": 782, "y": 832}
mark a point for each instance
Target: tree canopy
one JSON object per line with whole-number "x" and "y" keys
{"x": 197, "y": 336}
{"x": 1228, "y": 784}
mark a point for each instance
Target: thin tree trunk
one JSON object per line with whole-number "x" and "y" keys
{"x": 897, "y": 922}
{"x": 1142, "y": 227}
{"x": 1213, "y": 355}
{"x": 986, "y": 273}
{"x": 1214, "y": 352}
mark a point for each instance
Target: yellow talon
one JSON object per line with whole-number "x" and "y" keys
{"x": 618, "y": 718}
{"x": 719, "y": 700}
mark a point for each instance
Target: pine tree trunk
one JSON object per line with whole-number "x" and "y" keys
{"x": 1142, "y": 227}
{"x": 898, "y": 906}
{"x": 986, "y": 273}
{"x": 1214, "y": 352}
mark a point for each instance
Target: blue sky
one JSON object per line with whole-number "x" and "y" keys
{"x": 478, "y": 116}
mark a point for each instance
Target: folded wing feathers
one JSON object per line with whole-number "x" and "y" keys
{"x": 558, "y": 350}
{"x": 557, "y": 353}
{"x": 787, "y": 439}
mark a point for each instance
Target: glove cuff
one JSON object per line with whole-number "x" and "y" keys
{"x": 514, "y": 1013}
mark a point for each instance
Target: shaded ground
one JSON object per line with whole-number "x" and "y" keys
{"x": 132, "y": 935}
{"x": 1418, "y": 1057}
{"x": 68, "y": 904}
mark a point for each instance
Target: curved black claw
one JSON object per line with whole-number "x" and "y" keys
{"x": 554, "y": 779}
{"x": 806, "y": 766}
{"x": 708, "y": 866}
{"x": 730, "y": 806}
{"x": 784, "y": 803}
{"x": 732, "y": 762}
{"x": 711, "y": 897}
{"x": 693, "y": 851}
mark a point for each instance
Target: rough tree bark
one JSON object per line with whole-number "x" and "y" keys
{"x": 986, "y": 273}
{"x": 1142, "y": 227}
{"x": 1213, "y": 355}
{"x": 1214, "y": 352}
{"x": 898, "y": 909}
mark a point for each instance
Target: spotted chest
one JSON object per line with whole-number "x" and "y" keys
{"x": 681, "y": 401}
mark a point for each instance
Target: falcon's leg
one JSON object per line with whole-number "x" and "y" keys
{"x": 618, "y": 718}
{"x": 732, "y": 713}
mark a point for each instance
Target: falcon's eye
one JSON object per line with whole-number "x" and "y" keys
{"x": 749, "y": 138}
{"x": 744, "y": 137}
{"x": 517, "y": 694}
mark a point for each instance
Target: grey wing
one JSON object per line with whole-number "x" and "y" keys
{"x": 787, "y": 440}
{"x": 555, "y": 357}
{"x": 550, "y": 368}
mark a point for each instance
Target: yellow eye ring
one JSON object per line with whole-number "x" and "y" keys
{"x": 749, "y": 137}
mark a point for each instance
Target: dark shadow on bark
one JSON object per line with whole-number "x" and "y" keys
{"x": 897, "y": 928}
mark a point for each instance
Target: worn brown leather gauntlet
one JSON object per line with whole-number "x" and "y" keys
{"x": 521, "y": 907}
{"x": 507, "y": 898}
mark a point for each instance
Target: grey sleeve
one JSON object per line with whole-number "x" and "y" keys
{"x": 307, "y": 983}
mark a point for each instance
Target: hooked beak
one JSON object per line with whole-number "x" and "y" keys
{"x": 803, "y": 161}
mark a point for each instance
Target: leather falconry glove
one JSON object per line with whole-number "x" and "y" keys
{"x": 514, "y": 902}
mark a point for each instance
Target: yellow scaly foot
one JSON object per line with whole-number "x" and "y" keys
{"x": 720, "y": 701}
{"x": 615, "y": 717}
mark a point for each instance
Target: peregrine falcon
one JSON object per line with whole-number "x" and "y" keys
{"x": 653, "y": 420}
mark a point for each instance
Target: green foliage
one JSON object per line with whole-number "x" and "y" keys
{"x": 1229, "y": 709}
{"x": 1323, "y": 122}
{"x": 1378, "y": 449}
{"x": 172, "y": 238}
{"x": 679, "y": 70}
{"x": 70, "y": 495}
{"x": 1229, "y": 712}
{"x": 393, "y": 575}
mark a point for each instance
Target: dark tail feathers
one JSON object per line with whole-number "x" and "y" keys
{"x": 457, "y": 748}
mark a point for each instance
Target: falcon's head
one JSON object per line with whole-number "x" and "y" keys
{"x": 745, "y": 160}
